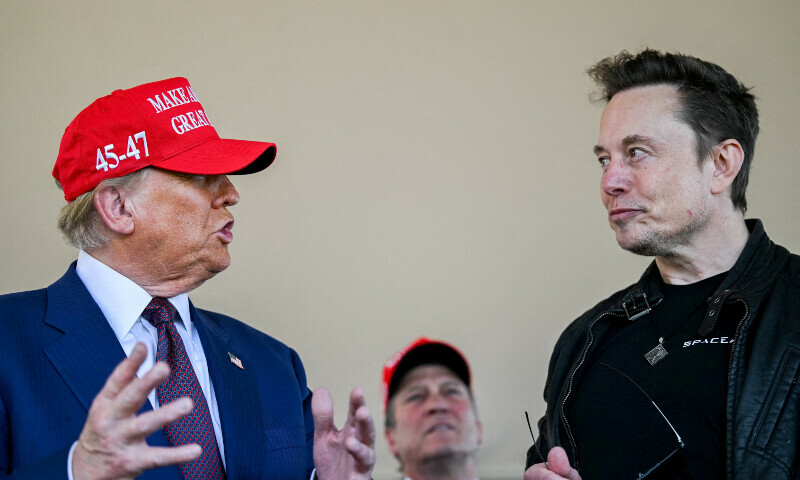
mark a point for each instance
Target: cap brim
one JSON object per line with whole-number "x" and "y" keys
{"x": 222, "y": 156}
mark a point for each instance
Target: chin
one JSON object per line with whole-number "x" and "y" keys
{"x": 640, "y": 249}
{"x": 648, "y": 245}
{"x": 221, "y": 267}
{"x": 442, "y": 446}
{"x": 218, "y": 264}
{"x": 626, "y": 241}
{"x": 438, "y": 451}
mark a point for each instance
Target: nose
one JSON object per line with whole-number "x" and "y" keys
{"x": 436, "y": 403}
{"x": 616, "y": 179}
{"x": 226, "y": 195}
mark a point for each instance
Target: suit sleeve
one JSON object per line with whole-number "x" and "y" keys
{"x": 53, "y": 467}
{"x": 307, "y": 417}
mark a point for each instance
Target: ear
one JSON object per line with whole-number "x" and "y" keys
{"x": 728, "y": 157}
{"x": 389, "y": 434}
{"x": 114, "y": 209}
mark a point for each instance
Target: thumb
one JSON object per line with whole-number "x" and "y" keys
{"x": 322, "y": 411}
{"x": 558, "y": 462}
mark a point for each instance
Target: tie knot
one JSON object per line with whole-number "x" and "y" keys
{"x": 159, "y": 311}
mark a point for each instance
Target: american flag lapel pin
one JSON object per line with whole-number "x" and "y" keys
{"x": 235, "y": 360}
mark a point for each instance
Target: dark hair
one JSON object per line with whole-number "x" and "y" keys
{"x": 713, "y": 103}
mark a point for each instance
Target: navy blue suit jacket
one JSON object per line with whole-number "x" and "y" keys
{"x": 57, "y": 350}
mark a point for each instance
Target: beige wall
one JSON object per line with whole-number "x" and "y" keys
{"x": 434, "y": 172}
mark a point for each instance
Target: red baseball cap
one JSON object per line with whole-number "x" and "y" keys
{"x": 422, "y": 351}
{"x": 159, "y": 124}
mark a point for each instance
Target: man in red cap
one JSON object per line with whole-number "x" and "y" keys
{"x": 194, "y": 394}
{"x": 431, "y": 424}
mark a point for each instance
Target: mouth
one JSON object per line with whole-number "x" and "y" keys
{"x": 225, "y": 233}
{"x": 440, "y": 427}
{"x": 622, "y": 214}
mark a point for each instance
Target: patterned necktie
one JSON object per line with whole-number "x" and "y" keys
{"x": 196, "y": 427}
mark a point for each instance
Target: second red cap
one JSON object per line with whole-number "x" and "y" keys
{"x": 422, "y": 351}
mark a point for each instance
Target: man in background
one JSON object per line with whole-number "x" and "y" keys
{"x": 195, "y": 394}
{"x": 432, "y": 424}
{"x": 690, "y": 372}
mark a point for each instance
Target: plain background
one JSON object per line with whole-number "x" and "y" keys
{"x": 434, "y": 176}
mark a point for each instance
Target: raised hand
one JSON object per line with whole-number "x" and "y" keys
{"x": 349, "y": 453}
{"x": 113, "y": 443}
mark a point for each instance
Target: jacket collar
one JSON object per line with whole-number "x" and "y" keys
{"x": 754, "y": 271}
{"x": 638, "y": 299}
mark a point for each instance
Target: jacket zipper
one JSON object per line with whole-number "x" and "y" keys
{"x": 728, "y": 447}
{"x": 572, "y": 377}
{"x": 578, "y": 367}
{"x": 738, "y": 327}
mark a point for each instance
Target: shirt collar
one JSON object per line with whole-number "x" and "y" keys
{"x": 120, "y": 299}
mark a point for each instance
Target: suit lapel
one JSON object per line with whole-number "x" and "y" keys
{"x": 88, "y": 351}
{"x": 238, "y": 399}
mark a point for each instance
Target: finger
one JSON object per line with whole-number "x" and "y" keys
{"x": 356, "y": 401}
{"x": 133, "y": 396}
{"x": 322, "y": 411}
{"x": 363, "y": 454}
{"x": 530, "y": 473}
{"x": 534, "y": 472}
{"x": 540, "y": 471}
{"x": 124, "y": 372}
{"x": 558, "y": 462}
{"x": 155, "y": 457}
{"x": 140, "y": 427}
{"x": 359, "y": 417}
{"x": 365, "y": 427}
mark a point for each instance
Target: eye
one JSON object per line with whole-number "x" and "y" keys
{"x": 604, "y": 161}
{"x": 454, "y": 391}
{"x": 636, "y": 153}
{"x": 193, "y": 178}
{"x": 415, "y": 397}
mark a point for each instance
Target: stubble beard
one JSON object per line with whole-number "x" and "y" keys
{"x": 653, "y": 243}
{"x": 444, "y": 462}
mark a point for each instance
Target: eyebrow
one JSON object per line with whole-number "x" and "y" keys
{"x": 417, "y": 387}
{"x": 629, "y": 140}
{"x": 451, "y": 383}
{"x": 598, "y": 150}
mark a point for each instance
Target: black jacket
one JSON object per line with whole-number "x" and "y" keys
{"x": 761, "y": 293}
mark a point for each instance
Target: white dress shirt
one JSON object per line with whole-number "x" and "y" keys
{"x": 122, "y": 302}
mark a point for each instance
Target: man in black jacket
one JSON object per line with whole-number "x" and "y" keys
{"x": 692, "y": 371}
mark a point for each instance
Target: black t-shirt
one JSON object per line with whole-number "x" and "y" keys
{"x": 618, "y": 431}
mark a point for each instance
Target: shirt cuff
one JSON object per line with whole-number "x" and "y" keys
{"x": 69, "y": 460}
